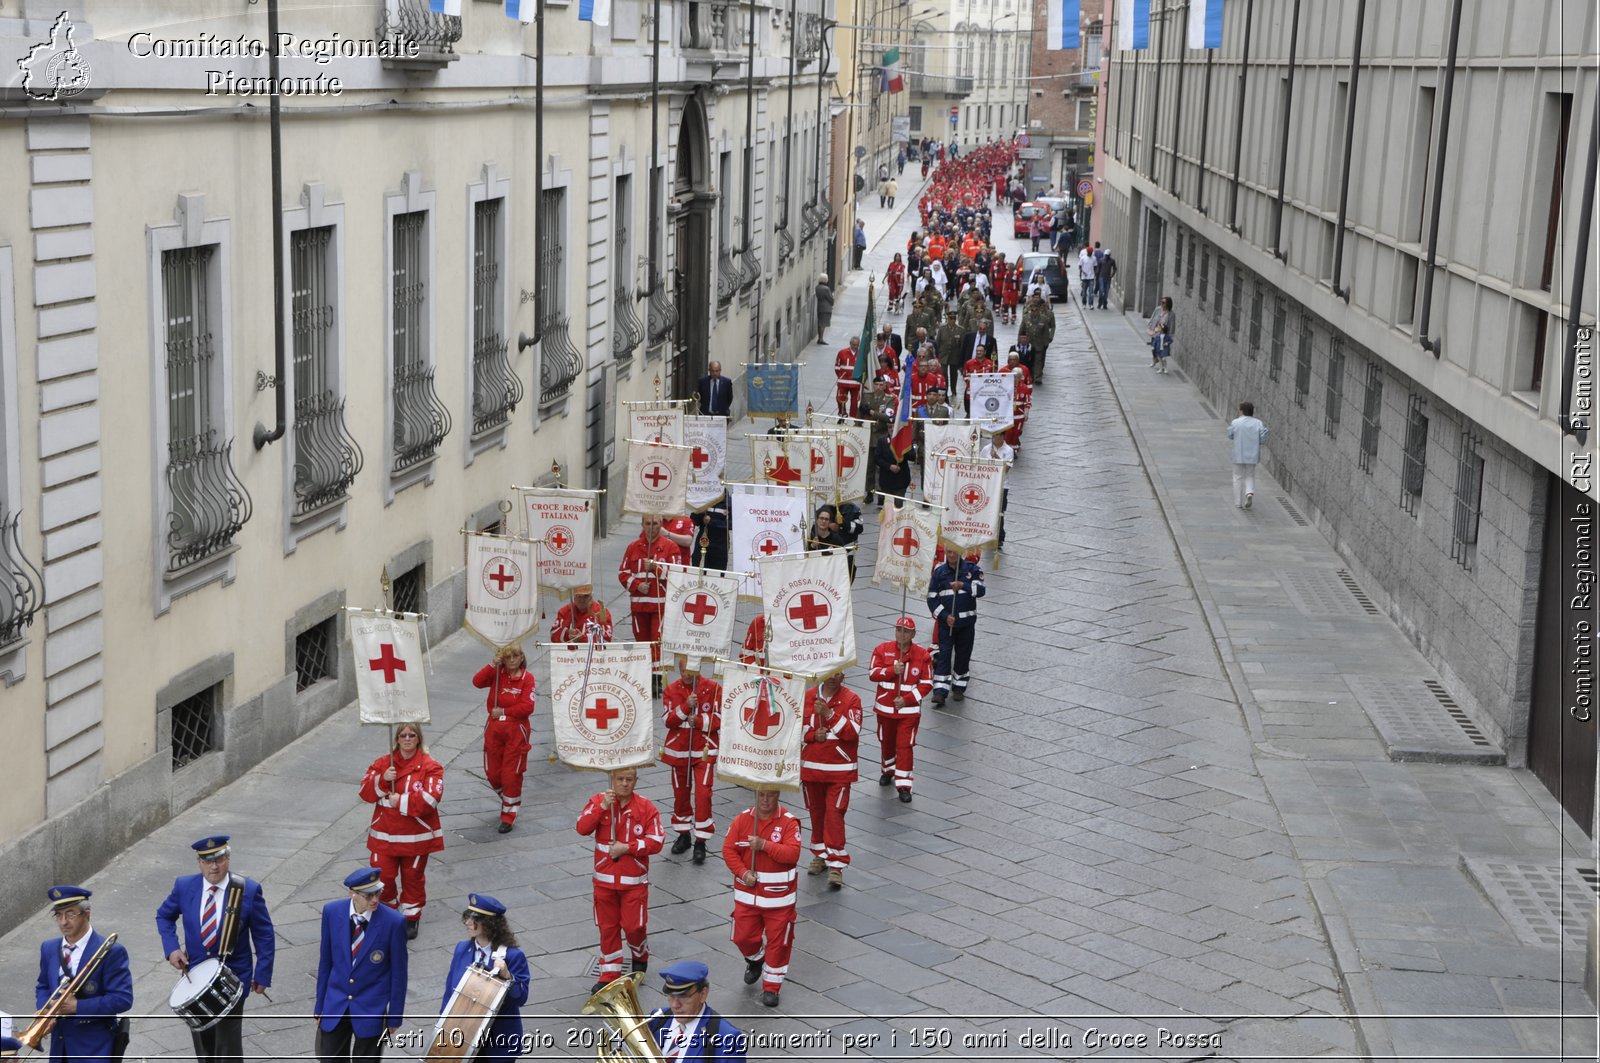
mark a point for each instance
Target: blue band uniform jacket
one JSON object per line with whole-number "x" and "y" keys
{"x": 715, "y": 1040}
{"x": 254, "y": 943}
{"x": 505, "y": 1032}
{"x": 371, "y": 988}
{"x": 108, "y": 992}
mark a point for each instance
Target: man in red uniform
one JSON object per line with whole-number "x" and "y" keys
{"x": 904, "y": 674}
{"x": 754, "y": 649}
{"x": 641, "y": 574}
{"x": 627, "y": 832}
{"x": 692, "y": 718}
{"x": 847, "y": 389}
{"x": 832, "y": 731}
{"x": 762, "y": 850}
{"x": 582, "y": 620}
{"x": 506, "y": 734}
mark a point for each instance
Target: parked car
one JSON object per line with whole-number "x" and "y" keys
{"x": 1055, "y": 275}
{"x": 1060, "y": 207}
{"x": 1019, "y": 223}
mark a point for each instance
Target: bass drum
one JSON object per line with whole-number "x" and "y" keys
{"x": 205, "y": 994}
{"x": 467, "y": 1017}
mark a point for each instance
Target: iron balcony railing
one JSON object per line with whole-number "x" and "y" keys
{"x": 558, "y": 366}
{"x": 749, "y": 268}
{"x": 20, "y": 582}
{"x": 949, "y": 86}
{"x": 661, "y": 312}
{"x": 428, "y": 38}
{"x": 496, "y": 388}
{"x": 785, "y": 248}
{"x": 209, "y": 503}
{"x": 626, "y": 332}
{"x": 420, "y": 420}
{"x": 727, "y": 276}
{"x": 326, "y": 456}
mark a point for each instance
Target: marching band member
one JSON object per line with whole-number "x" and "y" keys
{"x": 903, "y": 671}
{"x": 692, "y": 718}
{"x": 86, "y": 1026}
{"x": 361, "y": 972}
{"x": 582, "y": 617}
{"x": 201, "y": 903}
{"x": 762, "y": 850}
{"x": 405, "y": 787}
{"x": 687, "y": 1029}
{"x": 627, "y": 833}
{"x": 507, "y": 732}
{"x": 492, "y": 946}
{"x": 832, "y": 731}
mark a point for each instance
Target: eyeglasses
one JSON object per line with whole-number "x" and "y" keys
{"x": 408, "y": 734}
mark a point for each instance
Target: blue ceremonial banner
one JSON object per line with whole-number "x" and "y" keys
{"x": 1141, "y": 24}
{"x": 596, "y": 11}
{"x": 1064, "y": 18}
{"x": 1205, "y": 23}
{"x": 772, "y": 390}
{"x": 445, "y": 7}
{"x": 522, "y": 10}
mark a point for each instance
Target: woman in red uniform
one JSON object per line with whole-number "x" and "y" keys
{"x": 506, "y": 734}
{"x": 896, "y": 275}
{"x": 405, "y": 786}
{"x": 1010, "y": 291}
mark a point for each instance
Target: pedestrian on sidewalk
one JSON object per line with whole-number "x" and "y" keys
{"x": 1249, "y": 436}
{"x": 506, "y": 734}
{"x": 1086, "y": 277}
{"x": 900, "y": 161}
{"x": 405, "y": 787}
{"x": 1104, "y": 270}
{"x": 627, "y": 832}
{"x": 859, "y": 242}
{"x": 1160, "y": 332}
{"x": 824, "y": 305}
{"x": 491, "y": 946}
{"x": 894, "y": 189}
{"x": 883, "y": 192}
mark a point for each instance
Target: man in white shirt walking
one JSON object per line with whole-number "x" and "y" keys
{"x": 1249, "y": 436}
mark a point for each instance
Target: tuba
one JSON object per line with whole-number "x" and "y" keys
{"x": 627, "y": 1039}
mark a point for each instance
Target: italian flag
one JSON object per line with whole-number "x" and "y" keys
{"x": 892, "y": 81}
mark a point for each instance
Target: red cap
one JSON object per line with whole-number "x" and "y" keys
{"x": 907, "y": 623}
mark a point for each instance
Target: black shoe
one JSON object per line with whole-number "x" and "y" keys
{"x": 504, "y": 828}
{"x": 769, "y": 998}
{"x": 699, "y": 853}
{"x": 411, "y": 929}
{"x": 938, "y": 698}
{"x": 959, "y": 695}
{"x": 597, "y": 987}
{"x": 886, "y": 779}
{"x": 681, "y": 846}
{"x": 752, "y": 971}
{"x": 905, "y": 797}
{"x": 640, "y": 966}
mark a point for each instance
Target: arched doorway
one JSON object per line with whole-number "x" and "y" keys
{"x": 693, "y": 283}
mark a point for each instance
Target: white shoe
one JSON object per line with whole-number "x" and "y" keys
{"x": 1249, "y": 498}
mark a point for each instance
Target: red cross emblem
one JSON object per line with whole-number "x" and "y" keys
{"x": 846, "y": 460}
{"x": 783, "y": 472}
{"x": 699, "y": 459}
{"x": 700, "y": 609}
{"x": 971, "y": 498}
{"x": 501, "y": 577}
{"x": 759, "y": 717}
{"x": 905, "y": 543}
{"x": 655, "y": 474}
{"x": 558, "y": 539}
{"x": 504, "y": 579}
{"x": 386, "y": 662}
{"x": 769, "y": 544}
{"x": 601, "y": 714}
{"x": 818, "y": 459}
{"x": 808, "y": 613}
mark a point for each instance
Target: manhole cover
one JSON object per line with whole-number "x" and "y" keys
{"x": 1546, "y": 905}
{"x": 1418, "y": 720}
{"x": 1321, "y": 592}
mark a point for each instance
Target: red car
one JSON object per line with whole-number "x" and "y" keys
{"x": 1026, "y": 213}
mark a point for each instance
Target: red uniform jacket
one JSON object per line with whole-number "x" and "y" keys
{"x": 691, "y": 735}
{"x": 637, "y": 823}
{"x": 646, "y": 583}
{"x": 829, "y": 753}
{"x": 755, "y": 638}
{"x": 411, "y": 826}
{"x": 515, "y": 696}
{"x": 598, "y": 615}
{"x": 914, "y": 681}
{"x": 774, "y": 865}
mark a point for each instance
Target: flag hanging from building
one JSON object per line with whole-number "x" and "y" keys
{"x": 1133, "y": 25}
{"x": 698, "y": 619}
{"x": 1062, "y": 34}
{"x": 907, "y": 539}
{"x": 658, "y": 479}
{"x": 707, "y": 440}
{"x": 811, "y": 627}
{"x": 772, "y": 389}
{"x": 502, "y": 589}
{"x": 445, "y": 7}
{"x": 892, "y": 79}
{"x": 602, "y": 713}
{"x": 940, "y": 443}
{"x": 762, "y": 715}
{"x": 563, "y": 521}
{"x": 1205, "y": 23}
{"x": 596, "y": 11}
{"x": 971, "y": 501}
{"x": 523, "y": 10}
{"x": 387, "y": 649}
{"x": 763, "y": 521}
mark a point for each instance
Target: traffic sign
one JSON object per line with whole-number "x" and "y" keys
{"x": 1086, "y": 187}
{"x": 1088, "y": 199}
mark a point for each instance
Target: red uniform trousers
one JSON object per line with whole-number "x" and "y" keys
{"x": 750, "y": 925}
{"x": 621, "y": 912}
{"x": 405, "y": 882}
{"x": 898, "y": 737}
{"x": 698, "y": 776}
{"x": 505, "y": 758}
{"x": 647, "y": 628}
{"x": 826, "y": 803}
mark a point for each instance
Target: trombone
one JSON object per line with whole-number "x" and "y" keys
{"x": 34, "y": 1035}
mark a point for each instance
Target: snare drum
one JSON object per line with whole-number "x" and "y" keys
{"x": 205, "y": 994}
{"x": 467, "y": 1017}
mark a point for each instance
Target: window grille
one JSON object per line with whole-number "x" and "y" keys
{"x": 1468, "y": 500}
{"x": 1219, "y": 290}
{"x": 496, "y": 389}
{"x": 1236, "y": 308}
{"x": 1371, "y": 414}
{"x": 1414, "y": 463}
{"x": 1280, "y": 327}
{"x": 1334, "y": 398}
{"x": 1177, "y": 258}
{"x": 1205, "y": 276}
{"x": 559, "y": 361}
{"x": 1188, "y": 272}
{"x": 21, "y": 583}
{"x": 314, "y": 654}
{"x": 1257, "y": 297}
{"x": 420, "y": 420}
{"x": 1302, "y": 361}
{"x": 194, "y": 728}
{"x": 326, "y": 456}
{"x": 408, "y": 590}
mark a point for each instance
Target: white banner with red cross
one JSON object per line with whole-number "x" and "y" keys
{"x": 653, "y": 422}
{"x": 698, "y": 620}
{"x": 852, "y": 453}
{"x": 908, "y": 538}
{"x": 387, "y": 650}
{"x": 707, "y": 440}
{"x": 811, "y": 627}
{"x": 658, "y": 479}
{"x": 782, "y": 461}
{"x": 994, "y": 397}
{"x": 818, "y": 449}
{"x": 940, "y": 443}
{"x": 971, "y": 502}
{"x": 763, "y": 521}
{"x": 762, "y": 716}
{"x": 502, "y": 588}
{"x": 562, "y": 521}
{"x": 601, "y": 709}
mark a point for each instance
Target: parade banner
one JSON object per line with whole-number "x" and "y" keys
{"x": 764, "y": 521}
{"x": 993, "y": 400}
{"x": 941, "y": 442}
{"x": 771, "y": 389}
{"x": 908, "y": 538}
{"x": 782, "y": 460}
{"x": 661, "y": 424}
{"x": 762, "y": 718}
{"x": 811, "y": 627}
{"x": 818, "y": 451}
{"x": 602, "y": 712}
{"x": 658, "y": 479}
{"x": 853, "y": 453}
{"x": 502, "y": 588}
{"x": 698, "y": 620}
{"x": 563, "y": 522}
{"x": 387, "y": 648}
{"x": 707, "y": 440}
{"x": 971, "y": 502}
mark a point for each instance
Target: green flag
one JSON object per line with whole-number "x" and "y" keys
{"x": 864, "y": 354}
{"x": 891, "y": 57}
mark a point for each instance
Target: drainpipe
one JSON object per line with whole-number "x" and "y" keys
{"x": 1238, "y": 129}
{"x": 1177, "y": 103}
{"x": 1283, "y": 131}
{"x": 1205, "y": 134}
{"x": 1349, "y": 142}
{"x": 1430, "y": 343}
{"x": 262, "y": 436}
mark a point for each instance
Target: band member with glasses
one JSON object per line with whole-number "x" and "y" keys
{"x": 492, "y": 946}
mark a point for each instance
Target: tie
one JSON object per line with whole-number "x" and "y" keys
{"x": 66, "y": 959}
{"x": 483, "y": 957}
{"x": 208, "y": 920}
{"x": 358, "y": 930}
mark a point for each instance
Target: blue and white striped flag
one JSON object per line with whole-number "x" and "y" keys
{"x": 1063, "y": 28}
{"x": 445, "y": 7}
{"x": 1205, "y": 23}
{"x": 1133, "y": 25}
{"x": 596, "y": 11}
{"x": 522, "y": 10}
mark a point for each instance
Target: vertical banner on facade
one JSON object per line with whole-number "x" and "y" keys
{"x": 781, "y": 460}
{"x": 658, "y": 479}
{"x": 502, "y": 588}
{"x": 762, "y": 716}
{"x": 852, "y": 454}
{"x": 971, "y": 499}
{"x": 764, "y": 521}
{"x": 387, "y": 650}
{"x": 772, "y": 389}
{"x": 908, "y": 538}
{"x": 941, "y": 442}
{"x": 562, "y": 521}
{"x": 811, "y": 627}
{"x": 994, "y": 400}
{"x": 601, "y": 709}
{"x": 651, "y": 423}
{"x": 707, "y": 440}
{"x": 698, "y": 619}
